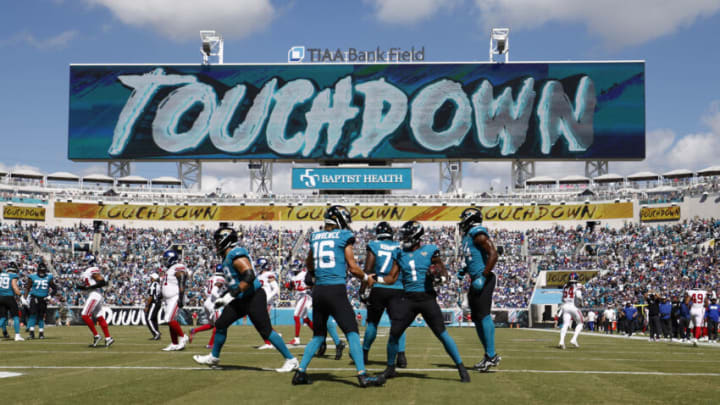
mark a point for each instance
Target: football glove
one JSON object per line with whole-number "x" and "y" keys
{"x": 478, "y": 283}
{"x": 365, "y": 296}
{"x": 224, "y": 300}
{"x": 24, "y": 301}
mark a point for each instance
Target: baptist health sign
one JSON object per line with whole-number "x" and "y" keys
{"x": 346, "y": 178}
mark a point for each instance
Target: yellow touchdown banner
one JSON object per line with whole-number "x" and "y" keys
{"x": 560, "y": 278}
{"x": 315, "y": 213}
{"x": 26, "y": 213}
{"x": 575, "y": 212}
{"x": 649, "y": 214}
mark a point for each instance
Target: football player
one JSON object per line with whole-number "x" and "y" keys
{"x": 268, "y": 281}
{"x": 571, "y": 299}
{"x": 40, "y": 288}
{"x": 215, "y": 288}
{"x": 92, "y": 280}
{"x": 8, "y": 290}
{"x": 244, "y": 296}
{"x": 697, "y": 312}
{"x": 480, "y": 258}
{"x": 329, "y": 259}
{"x": 173, "y": 293}
{"x": 415, "y": 261}
{"x": 303, "y": 303}
{"x": 380, "y": 256}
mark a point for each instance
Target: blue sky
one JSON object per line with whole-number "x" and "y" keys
{"x": 678, "y": 40}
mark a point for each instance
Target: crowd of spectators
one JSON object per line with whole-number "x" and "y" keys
{"x": 668, "y": 259}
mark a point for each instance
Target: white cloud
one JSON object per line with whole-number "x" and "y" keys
{"x": 408, "y": 11}
{"x": 183, "y": 19}
{"x": 58, "y": 41}
{"x": 618, "y": 22}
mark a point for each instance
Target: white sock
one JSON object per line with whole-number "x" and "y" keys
{"x": 41, "y": 330}
{"x": 563, "y": 332}
{"x": 578, "y": 328}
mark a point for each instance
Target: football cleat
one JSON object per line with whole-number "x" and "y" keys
{"x": 19, "y": 338}
{"x": 295, "y": 341}
{"x": 390, "y": 372}
{"x": 32, "y": 335}
{"x": 207, "y": 360}
{"x": 561, "y": 346}
{"x": 366, "y": 380}
{"x": 339, "y": 350}
{"x": 488, "y": 362}
{"x": 301, "y": 378}
{"x": 323, "y": 348}
{"x": 170, "y": 348}
{"x": 290, "y": 365}
{"x": 156, "y": 337}
{"x": 464, "y": 376}
{"x": 42, "y": 335}
{"x": 265, "y": 346}
{"x": 5, "y": 335}
{"x": 96, "y": 340}
{"x": 401, "y": 360}
{"x": 574, "y": 343}
{"x": 184, "y": 341}
{"x": 109, "y": 341}
{"x": 208, "y": 346}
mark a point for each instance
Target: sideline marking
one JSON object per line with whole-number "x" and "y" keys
{"x": 7, "y": 374}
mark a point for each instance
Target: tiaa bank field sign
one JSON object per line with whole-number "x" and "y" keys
{"x": 355, "y": 178}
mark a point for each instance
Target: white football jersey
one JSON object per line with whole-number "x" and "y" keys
{"x": 212, "y": 290}
{"x": 572, "y": 293}
{"x": 87, "y": 276}
{"x": 697, "y": 298}
{"x": 268, "y": 280}
{"x": 170, "y": 286}
{"x": 298, "y": 281}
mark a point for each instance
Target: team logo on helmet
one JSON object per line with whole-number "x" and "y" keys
{"x": 410, "y": 234}
{"x": 470, "y": 217}
{"x": 339, "y": 216}
{"x": 41, "y": 269}
{"x": 224, "y": 238}
{"x": 89, "y": 260}
{"x": 262, "y": 264}
{"x": 574, "y": 277}
{"x": 170, "y": 257}
{"x": 383, "y": 231}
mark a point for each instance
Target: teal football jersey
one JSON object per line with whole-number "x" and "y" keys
{"x": 6, "y": 284}
{"x": 414, "y": 266}
{"x": 232, "y": 276}
{"x": 40, "y": 285}
{"x": 386, "y": 252}
{"x": 475, "y": 258}
{"x": 328, "y": 248}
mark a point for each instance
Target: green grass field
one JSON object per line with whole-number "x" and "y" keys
{"x": 62, "y": 369}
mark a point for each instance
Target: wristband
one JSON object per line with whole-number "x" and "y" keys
{"x": 366, "y": 277}
{"x": 381, "y": 280}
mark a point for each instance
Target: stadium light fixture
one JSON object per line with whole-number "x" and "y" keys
{"x": 500, "y": 43}
{"x": 212, "y": 45}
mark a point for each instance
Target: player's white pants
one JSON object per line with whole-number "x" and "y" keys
{"x": 93, "y": 304}
{"x": 210, "y": 311}
{"x": 170, "y": 309}
{"x": 697, "y": 315}
{"x": 570, "y": 313}
{"x": 302, "y": 306}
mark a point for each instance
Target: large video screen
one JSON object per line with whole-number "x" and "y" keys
{"x": 394, "y": 112}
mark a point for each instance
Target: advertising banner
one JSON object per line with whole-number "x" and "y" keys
{"x": 388, "y": 112}
{"x": 132, "y": 212}
{"x": 24, "y": 213}
{"x": 345, "y": 178}
{"x": 649, "y": 214}
{"x": 560, "y": 278}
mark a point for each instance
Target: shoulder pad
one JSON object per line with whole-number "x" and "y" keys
{"x": 237, "y": 252}
{"x": 476, "y": 230}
